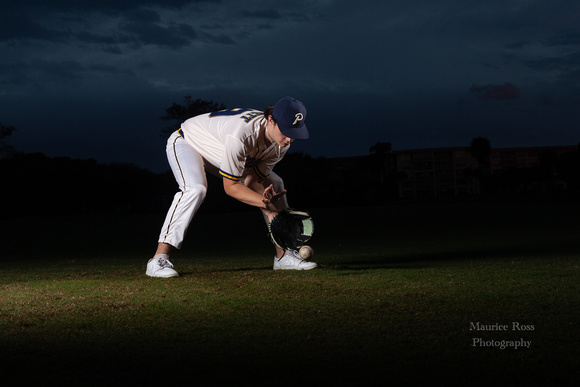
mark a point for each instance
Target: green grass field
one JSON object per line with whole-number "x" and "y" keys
{"x": 393, "y": 302}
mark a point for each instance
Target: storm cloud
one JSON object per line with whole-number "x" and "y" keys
{"x": 92, "y": 78}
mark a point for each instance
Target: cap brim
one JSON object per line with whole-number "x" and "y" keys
{"x": 300, "y": 133}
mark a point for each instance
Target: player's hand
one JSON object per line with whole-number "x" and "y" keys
{"x": 270, "y": 196}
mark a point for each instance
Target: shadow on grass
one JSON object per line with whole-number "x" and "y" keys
{"x": 230, "y": 270}
{"x": 431, "y": 259}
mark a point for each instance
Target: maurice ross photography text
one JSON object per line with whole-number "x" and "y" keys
{"x": 497, "y": 327}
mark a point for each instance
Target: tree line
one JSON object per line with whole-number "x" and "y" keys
{"x": 35, "y": 184}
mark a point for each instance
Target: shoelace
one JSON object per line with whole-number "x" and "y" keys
{"x": 295, "y": 256}
{"x": 163, "y": 262}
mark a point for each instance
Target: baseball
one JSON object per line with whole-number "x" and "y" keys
{"x": 306, "y": 252}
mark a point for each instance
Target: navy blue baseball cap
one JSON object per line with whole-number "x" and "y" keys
{"x": 290, "y": 115}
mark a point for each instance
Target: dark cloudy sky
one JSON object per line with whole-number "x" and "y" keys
{"x": 90, "y": 79}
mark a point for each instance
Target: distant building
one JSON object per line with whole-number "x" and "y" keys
{"x": 450, "y": 172}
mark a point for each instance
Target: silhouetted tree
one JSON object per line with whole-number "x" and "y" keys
{"x": 381, "y": 148}
{"x": 5, "y": 148}
{"x": 381, "y": 165}
{"x": 548, "y": 165}
{"x": 569, "y": 169}
{"x": 481, "y": 150}
{"x": 380, "y": 158}
{"x": 190, "y": 108}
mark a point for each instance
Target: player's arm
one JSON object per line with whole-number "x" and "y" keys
{"x": 253, "y": 182}
{"x": 260, "y": 185}
{"x": 252, "y": 191}
{"x": 265, "y": 198}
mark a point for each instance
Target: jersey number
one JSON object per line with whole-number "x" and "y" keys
{"x": 234, "y": 112}
{"x": 229, "y": 112}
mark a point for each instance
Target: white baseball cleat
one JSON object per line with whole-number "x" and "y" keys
{"x": 292, "y": 261}
{"x": 159, "y": 266}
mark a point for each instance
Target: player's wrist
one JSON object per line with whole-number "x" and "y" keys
{"x": 271, "y": 214}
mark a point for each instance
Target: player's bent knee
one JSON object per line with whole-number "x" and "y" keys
{"x": 276, "y": 181}
{"x": 198, "y": 191}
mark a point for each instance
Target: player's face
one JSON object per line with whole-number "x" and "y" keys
{"x": 277, "y": 135}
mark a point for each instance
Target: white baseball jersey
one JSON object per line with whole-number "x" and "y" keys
{"x": 233, "y": 140}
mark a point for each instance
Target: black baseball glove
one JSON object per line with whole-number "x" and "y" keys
{"x": 290, "y": 229}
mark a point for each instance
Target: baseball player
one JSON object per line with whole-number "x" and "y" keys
{"x": 240, "y": 146}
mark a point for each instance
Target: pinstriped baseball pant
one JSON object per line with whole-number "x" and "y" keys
{"x": 189, "y": 169}
{"x": 189, "y": 172}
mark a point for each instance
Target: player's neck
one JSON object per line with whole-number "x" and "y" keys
{"x": 269, "y": 141}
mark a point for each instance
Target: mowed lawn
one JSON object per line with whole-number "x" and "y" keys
{"x": 406, "y": 294}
